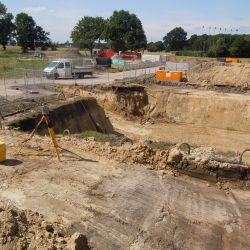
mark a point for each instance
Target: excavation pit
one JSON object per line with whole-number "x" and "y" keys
{"x": 76, "y": 116}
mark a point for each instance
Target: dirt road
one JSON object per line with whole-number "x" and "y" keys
{"x": 118, "y": 206}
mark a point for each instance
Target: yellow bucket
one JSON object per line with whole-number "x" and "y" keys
{"x": 2, "y": 151}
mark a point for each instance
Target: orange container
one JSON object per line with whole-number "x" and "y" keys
{"x": 231, "y": 59}
{"x": 176, "y": 76}
{"x": 160, "y": 74}
{"x": 168, "y": 75}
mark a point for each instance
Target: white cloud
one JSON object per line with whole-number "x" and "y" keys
{"x": 36, "y": 10}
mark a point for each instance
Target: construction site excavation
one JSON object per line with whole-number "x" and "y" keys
{"x": 127, "y": 160}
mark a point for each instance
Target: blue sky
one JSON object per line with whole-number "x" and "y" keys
{"x": 158, "y": 17}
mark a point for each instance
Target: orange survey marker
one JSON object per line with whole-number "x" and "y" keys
{"x": 45, "y": 118}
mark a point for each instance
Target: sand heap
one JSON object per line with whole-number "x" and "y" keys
{"x": 212, "y": 73}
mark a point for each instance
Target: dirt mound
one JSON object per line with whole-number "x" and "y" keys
{"x": 220, "y": 73}
{"x": 28, "y": 230}
{"x": 127, "y": 153}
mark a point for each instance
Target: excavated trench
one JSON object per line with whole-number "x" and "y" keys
{"x": 74, "y": 116}
{"x": 85, "y": 114}
{"x": 181, "y": 106}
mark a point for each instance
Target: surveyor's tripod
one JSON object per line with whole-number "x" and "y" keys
{"x": 45, "y": 118}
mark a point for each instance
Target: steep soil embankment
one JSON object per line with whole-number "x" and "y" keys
{"x": 203, "y": 108}
{"x": 223, "y": 111}
{"x": 76, "y": 116}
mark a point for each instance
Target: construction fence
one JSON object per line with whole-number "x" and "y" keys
{"x": 21, "y": 89}
{"x": 177, "y": 66}
{"x": 103, "y": 75}
{"x": 24, "y": 89}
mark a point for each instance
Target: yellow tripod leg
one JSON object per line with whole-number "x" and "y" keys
{"x": 53, "y": 138}
{"x": 34, "y": 130}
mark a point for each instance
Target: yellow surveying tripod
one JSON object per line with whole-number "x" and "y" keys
{"x": 45, "y": 118}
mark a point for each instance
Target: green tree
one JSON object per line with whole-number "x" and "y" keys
{"x": 160, "y": 46}
{"x": 219, "y": 49}
{"x": 240, "y": 47}
{"x": 3, "y": 9}
{"x": 175, "y": 39}
{"x": 6, "y": 26}
{"x": 152, "y": 47}
{"x": 87, "y": 31}
{"x": 41, "y": 38}
{"x": 124, "y": 31}
{"x": 157, "y": 46}
{"x": 29, "y": 35}
{"x": 25, "y": 29}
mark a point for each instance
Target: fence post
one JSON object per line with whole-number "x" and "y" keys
{"x": 5, "y": 87}
{"x": 25, "y": 83}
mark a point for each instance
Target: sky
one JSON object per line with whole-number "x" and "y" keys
{"x": 158, "y": 17}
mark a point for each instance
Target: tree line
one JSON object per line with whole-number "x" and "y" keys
{"x": 23, "y": 28}
{"x": 124, "y": 31}
{"x": 219, "y": 45}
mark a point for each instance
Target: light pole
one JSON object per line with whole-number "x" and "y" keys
{"x": 203, "y": 27}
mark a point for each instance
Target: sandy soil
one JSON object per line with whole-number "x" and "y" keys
{"x": 225, "y": 140}
{"x": 212, "y": 73}
{"x": 121, "y": 206}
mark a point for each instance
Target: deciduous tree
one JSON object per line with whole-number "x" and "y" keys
{"x": 6, "y": 26}
{"x": 124, "y": 31}
{"x": 87, "y": 31}
{"x": 29, "y": 35}
{"x": 175, "y": 39}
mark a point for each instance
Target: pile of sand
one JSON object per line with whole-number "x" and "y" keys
{"x": 212, "y": 73}
{"x": 23, "y": 230}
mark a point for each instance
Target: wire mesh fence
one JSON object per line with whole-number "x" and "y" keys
{"x": 103, "y": 75}
{"x": 177, "y": 66}
{"x": 25, "y": 84}
{"x": 21, "y": 89}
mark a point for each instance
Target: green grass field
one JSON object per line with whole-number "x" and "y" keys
{"x": 12, "y": 59}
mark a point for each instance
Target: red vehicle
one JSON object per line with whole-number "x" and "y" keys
{"x": 106, "y": 53}
{"x": 130, "y": 56}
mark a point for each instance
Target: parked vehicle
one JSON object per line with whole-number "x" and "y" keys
{"x": 65, "y": 68}
{"x": 39, "y": 55}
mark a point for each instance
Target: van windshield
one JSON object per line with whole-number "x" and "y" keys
{"x": 52, "y": 64}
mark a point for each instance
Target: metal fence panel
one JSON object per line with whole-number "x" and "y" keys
{"x": 21, "y": 89}
{"x": 177, "y": 66}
